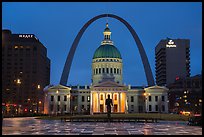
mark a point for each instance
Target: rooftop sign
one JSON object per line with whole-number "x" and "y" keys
{"x": 170, "y": 44}
{"x": 25, "y": 36}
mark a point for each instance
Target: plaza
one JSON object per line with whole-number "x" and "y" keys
{"x": 32, "y": 126}
{"x": 150, "y": 70}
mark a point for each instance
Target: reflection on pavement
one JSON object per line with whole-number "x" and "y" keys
{"x": 30, "y": 125}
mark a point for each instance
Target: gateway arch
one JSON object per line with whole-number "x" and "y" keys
{"x": 67, "y": 66}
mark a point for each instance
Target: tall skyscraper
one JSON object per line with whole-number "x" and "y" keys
{"x": 25, "y": 72}
{"x": 172, "y": 60}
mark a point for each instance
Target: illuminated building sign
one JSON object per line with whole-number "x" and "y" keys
{"x": 25, "y": 36}
{"x": 170, "y": 44}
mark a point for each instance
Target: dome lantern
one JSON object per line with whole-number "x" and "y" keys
{"x": 107, "y": 33}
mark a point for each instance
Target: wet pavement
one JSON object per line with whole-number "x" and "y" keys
{"x": 32, "y": 126}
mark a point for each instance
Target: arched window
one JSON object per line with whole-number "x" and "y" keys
{"x": 114, "y": 70}
{"x": 103, "y": 70}
{"x": 96, "y": 70}
{"x": 111, "y": 70}
{"x": 107, "y": 70}
{"x": 101, "y": 97}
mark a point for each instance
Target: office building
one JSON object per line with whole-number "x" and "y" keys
{"x": 172, "y": 58}
{"x": 25, "y": 72}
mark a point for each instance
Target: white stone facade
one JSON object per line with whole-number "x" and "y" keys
{"x": 57, "y": 100}
{"x": 87, "y": 100}
{"x": 156, "y": 99}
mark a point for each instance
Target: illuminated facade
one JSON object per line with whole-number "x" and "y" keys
{"x": 107, "y": 70}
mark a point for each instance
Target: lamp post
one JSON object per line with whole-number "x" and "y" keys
{"x": 38, "y": 102}
{"x": 18, "y": 82}
{"x": 146, "y": 101}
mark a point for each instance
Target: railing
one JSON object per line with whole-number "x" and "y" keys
{"x": 112, "y": 119}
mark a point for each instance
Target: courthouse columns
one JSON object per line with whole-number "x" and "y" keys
{"x": 119, "y": 102}
{"x": 98, "y": 102}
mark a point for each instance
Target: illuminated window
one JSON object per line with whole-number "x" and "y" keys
{"x": 101, "y": 97}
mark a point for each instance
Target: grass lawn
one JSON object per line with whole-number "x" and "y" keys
{"x": 168, "y": 117}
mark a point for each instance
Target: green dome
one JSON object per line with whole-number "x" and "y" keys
{"x": 107, "y": 51}
{"x": 107, "y": 30}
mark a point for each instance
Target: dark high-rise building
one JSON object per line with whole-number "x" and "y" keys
{"x": 172, "y": 60}
{"x": 25, "y": 72}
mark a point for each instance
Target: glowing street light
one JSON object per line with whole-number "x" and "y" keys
{"x": 38, "y": 102}
{"x": 18, "y": 82}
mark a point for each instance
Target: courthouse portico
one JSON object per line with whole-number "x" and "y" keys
{"x": 100, "y": 92}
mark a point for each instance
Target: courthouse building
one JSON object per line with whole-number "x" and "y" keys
{"x": 107, "y": 79}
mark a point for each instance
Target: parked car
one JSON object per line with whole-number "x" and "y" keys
{"x": 195, "y": 121}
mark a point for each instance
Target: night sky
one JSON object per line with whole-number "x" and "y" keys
{"x": 57, "y": 24}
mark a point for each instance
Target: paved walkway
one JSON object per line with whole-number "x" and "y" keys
{"x": 29, "y": 126}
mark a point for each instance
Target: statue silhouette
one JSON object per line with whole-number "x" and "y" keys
{"x": 109, "y": 103}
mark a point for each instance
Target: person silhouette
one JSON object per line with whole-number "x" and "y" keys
{"x": 109, "y": 103}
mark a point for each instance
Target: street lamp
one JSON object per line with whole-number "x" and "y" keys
{"x": 18, "y": 82}
{"x": 38, "y": 102}
{"x": 146, "y": 96}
